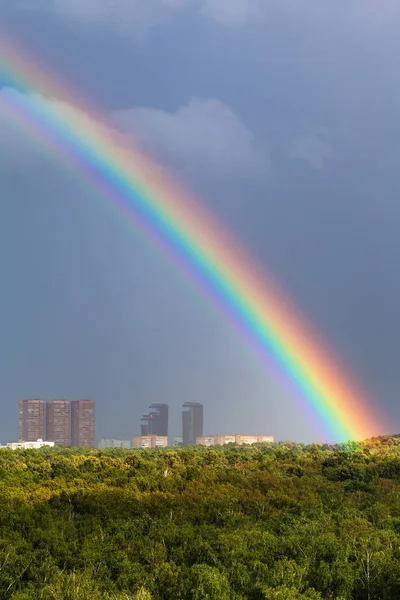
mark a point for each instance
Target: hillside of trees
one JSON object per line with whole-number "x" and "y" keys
{"x": 267, "y": 522}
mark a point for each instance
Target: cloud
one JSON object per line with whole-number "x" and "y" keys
{"x": 21, "y": 127}
{"x": 232, "y": 12}
{"x": 138, "y": 16}
{"x": 135, "y": 17}
{"x": 204, "y": 137}
{"x": 128, "y": 17}
{"x": 312, "y": 148}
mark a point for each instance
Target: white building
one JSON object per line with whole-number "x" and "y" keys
{"x": 111, "y": 443}
{"x": 213, "y": 440}
{"x": 28, "y": 445}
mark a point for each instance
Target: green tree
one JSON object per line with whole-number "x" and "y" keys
{"x": 207, "y": 583}
{"x": 291, "y": 593}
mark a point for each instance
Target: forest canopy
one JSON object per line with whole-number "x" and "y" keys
{"x": 267, "y": 522}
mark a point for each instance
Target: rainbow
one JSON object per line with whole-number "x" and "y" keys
{"x": 57, "y": 117}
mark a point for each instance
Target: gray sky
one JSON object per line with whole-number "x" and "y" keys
{"x": 283, "y": 117}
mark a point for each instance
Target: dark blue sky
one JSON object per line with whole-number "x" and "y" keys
{"x": 284, "y": 118}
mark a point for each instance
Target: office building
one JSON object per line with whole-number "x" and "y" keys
{"x": 83, "y": 423}
{"x": 145, "y": 424}
{"x": 150, "y": 441}
{"x": 31, "y": 420}
{"x": 58, "y": 422}
{"x": 178, "y": 441}
{"x": 159, "y": 420}
{"x": 111, "y": 443}
{"x": 155, "y": 422}
{"x": 192, "y": 422}
{"x": 214, "y": 440}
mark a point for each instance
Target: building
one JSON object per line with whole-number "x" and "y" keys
{"x": 159, "y": 419}
{"x": 28, "y": 445}
{"x": 155, "y": 422}
{"x": 83, "y": 423}
{"x": 214, "y": 440}
{"x": 150, "y": 441}
{"x": 192, "y": 422}
{"x": 31, "y": 420}
{"x": 145, "y": 424}
{"x": 111, "y": 443}
{"x": 254, "y": 439}
{"x": 58, "y": 422}
{"x": 178, "y": 441}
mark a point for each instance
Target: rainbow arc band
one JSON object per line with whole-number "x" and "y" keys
{"x": 54, "y": 115}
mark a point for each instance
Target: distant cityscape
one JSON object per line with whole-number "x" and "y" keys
{"x": 71, "y": 423}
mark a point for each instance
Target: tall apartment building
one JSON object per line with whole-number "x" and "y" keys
{"x": 82, "y": 423}
{"x": 192, "y": 422}
{"x": 58, "y": 422}
{"x": 155, "y": 422}
{"x": 31, "y": 420}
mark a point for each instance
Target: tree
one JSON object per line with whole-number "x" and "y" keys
{"x": 291, "y": 593}
{"x": 207, "y": 583}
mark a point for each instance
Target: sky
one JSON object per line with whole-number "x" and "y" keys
{"x": 283, "y": 118}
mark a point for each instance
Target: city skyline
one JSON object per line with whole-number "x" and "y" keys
{"x": 72, "y": 423}
{"x": 52, "y": 420}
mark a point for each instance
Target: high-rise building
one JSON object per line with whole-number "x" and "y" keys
{"x": 145, "y": 424}
{"x": 192, "y": 422}
{"x": 159, "y": 420}
{"x": 31, "y": 421}
{"x": 58, "y": 422}
{"x": 82, "y": 423}
{"x": 155, "y": 422}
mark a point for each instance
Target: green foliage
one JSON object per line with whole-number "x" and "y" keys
{"x": 290, "y": 593}
{"x": 263, "y": 522}
{"x": 208, "y": 583}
